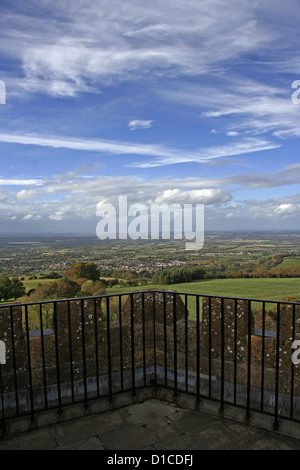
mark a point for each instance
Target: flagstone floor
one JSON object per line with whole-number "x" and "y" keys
{"x": 152, "y": 425}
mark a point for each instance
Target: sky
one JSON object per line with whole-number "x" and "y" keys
{"x": 192, "y": 102}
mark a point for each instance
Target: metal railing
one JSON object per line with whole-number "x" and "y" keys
{"x": 237, "y": 352}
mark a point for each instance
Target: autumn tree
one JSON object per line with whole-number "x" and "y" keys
{"x": 83, "y": 270}
{"x": 90, "y": 288}
{"x": 67, "y": 289}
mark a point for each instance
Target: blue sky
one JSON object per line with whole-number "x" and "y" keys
{"x": 189, "y": 103}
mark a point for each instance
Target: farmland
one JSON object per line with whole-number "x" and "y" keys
{"x": 221, "y": 253}
{"x": 250, "y": 264}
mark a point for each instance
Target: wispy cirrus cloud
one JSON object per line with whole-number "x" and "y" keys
{"x": 240, "y": 106}
{"x": 133, "y": 40}
{"x": 167, "y": 156}
{"x": 99, "y": 145}
{"x": 201, "y": 155}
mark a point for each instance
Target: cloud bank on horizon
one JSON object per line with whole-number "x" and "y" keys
{"x": 189, "y": 104}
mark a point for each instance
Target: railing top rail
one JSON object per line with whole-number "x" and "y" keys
{"x": 72, "y": 299}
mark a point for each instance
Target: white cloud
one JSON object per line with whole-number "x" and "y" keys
{"x": 75, "y": 197}
{"x": 20, "y": 181}
{"x": 32, "y": 217}
{"x": 139, "y": 124}
{"x": 26, "y": 194}
{"x": 59, "y": 215}
{"x": 197, "y": 196}
{"x": 232, "y": 133}
{"x": 286, "y": 209}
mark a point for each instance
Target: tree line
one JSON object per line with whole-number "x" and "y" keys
{"x": 178, "y": 275}
{"x": 261, "y": 272}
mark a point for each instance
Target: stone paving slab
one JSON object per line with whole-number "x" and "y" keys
{"x": 152, "y": 425}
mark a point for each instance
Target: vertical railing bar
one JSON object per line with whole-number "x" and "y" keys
{"x": 108, "y": 351}
{"x": 209, "y": 347}
{"x": 96, "y": 346}
{"x": 70, "y": 351}
{"x": 263, "y": 357}
{"x": 198, "y": 349}
{"x": 121, "y": 343}
{"x": 186, "y": 342}
{"x": 57, "y": 358}
{"x": 249, "y": 362}
{"x": 29, "y": 365}
{"x": 175, "y": 342}
{"x": 144, "y": 340}
{"x": 235, "y": 353}
{"x": 165, "y": 340}
{"x": 43, "y": 356}
{"x": 222, "y": 355}
{"x": 132, "y": 345}
{"x": 154, "y": 338}
{"x": 14, "y": 359}
{"x": 276, "y": 423}
{"x": 292, "y": 365}
{"x": 83, "y": 354}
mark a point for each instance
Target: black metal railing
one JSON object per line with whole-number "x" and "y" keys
{"x": 237, "y": 352}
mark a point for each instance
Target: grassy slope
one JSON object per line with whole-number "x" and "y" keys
{"x": 268, "y": 289}
{"x": 288, "y": 262}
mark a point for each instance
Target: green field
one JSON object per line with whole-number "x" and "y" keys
{"x": 287, "y": 262}
{"x": 256, "y": 288}
{"x": 33, "y": 283}
{"x": 266, "y": 288}
{"x": 260, "y": 289}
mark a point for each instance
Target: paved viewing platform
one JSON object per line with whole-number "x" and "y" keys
{"x": 152, "y": 425}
